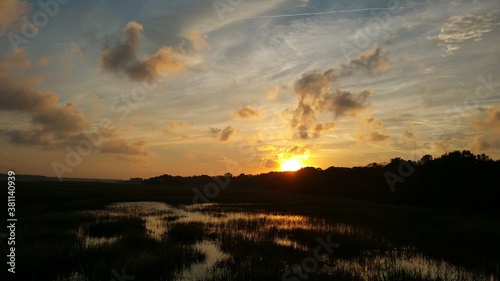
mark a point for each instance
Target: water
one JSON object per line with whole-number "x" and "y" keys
{"x": 234, "y": 242}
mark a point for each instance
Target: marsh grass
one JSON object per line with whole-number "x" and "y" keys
{"x": 374, "y": 238}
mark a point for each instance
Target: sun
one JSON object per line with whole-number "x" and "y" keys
{"x": 291, "y": 165}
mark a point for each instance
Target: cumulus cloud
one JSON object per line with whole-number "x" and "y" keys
{"x": 65, "y": 119}
{"x": 122, "y": 57}
{"x": 458, "y": 29}
{"x": 222, "y": 135}
{"x": 343, "y": 103}
{"x": 56, "y": 121}
{"x": 15, "y": 96}
{"x": 247, "y": 112}
{"x": 316, "y": 95}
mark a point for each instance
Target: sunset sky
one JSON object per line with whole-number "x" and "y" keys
{"x": 120, "y": 89}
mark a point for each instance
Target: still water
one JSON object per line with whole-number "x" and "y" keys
{"x": 234, "y": 242}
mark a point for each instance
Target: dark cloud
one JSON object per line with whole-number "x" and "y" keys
{"x": 226, "y": 134}
{"x": 371, "y": 62}
{"x": 16, "y": 96}
{"x": 56, "y": 122}
{"x": 223, "y": 135}
{"x": 316, "y": 95}
{"x": 247, "y": 112}
{"x": 122, "y": 57}
{"x": 343, "y": 103}
{"x": 65, "y": 119}
{"x": 33, "y": 137}
{"x": 213, "y": 131}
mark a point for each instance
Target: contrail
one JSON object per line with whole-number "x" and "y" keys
{"x": 312, "y": 14}
{"x": 47, "y": 46}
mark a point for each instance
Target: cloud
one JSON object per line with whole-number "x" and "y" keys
{"x": 271, "y": 164}
{"x": 275, "y": 156}
{"x": 407, "y": 134}
{"x": 56, "y": 122}
{"x": 119, "y": 145}
{"x": 478, "y": 144}
{"x": 226, "y": 134}
{"x": 375, "y": 131}
{"x": 343, "y": 103}
{"x": 65, "y": 119}
{"x": 371, "y": 61}
{"x": 10, "y": 12}
{"x": 15, "y": 96}
{"x": 122, "y": 57}
{"x": 172, "y": 126}
{"x": 33, "y": 137}
{"x": 442, "y": 147}
{"x": 491, "y": 122}
{"x": 198, "y": 40}
{"x": 458, "y": 29}
{"x": 17, "y": 60}
{"x": 272, "y": 93}
{"x": 223, "y": 135}
{"x": 247, "y": 112}
{"x": 315, "y": 94}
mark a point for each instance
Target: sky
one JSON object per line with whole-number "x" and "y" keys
{"x": 122, "y": 88}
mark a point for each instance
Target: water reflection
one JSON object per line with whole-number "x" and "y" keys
{"x": 226, "y": 234}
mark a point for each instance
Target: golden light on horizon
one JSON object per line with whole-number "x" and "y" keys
{"x": 291, "y": 165}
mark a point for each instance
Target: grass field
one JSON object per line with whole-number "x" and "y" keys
{"x": 78, "y": 231}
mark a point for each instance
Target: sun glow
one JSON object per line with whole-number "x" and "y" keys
{"x": 292, "y": 164}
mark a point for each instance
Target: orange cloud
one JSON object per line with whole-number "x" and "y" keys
{"x": 10, "y": 12}
{"x": 491, "y": 122}
{"x": 198, "y": 40}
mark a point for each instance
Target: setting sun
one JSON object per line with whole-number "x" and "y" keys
{"x": 291, "y": 165}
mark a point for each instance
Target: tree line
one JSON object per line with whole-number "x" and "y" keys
{"x": 459, "y": 180}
